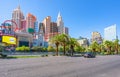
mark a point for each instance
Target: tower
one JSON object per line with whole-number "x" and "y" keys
{"x": 60, "y": 24}
{"x": 41, "y": 35}
{"x": 46, "y": 24}
{"x": 30, "y": 23}
{"x": 17, "y": 16}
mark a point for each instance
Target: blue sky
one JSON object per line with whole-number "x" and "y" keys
{"x": 81, "y": 16}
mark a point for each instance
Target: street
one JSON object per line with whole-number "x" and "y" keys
{"x": 61, "y": 66}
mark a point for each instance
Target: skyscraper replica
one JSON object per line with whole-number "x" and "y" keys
{"x": 23, "y": 38}
{"x": 46, "y": 23}
{"x": 17, "y": 16}
{"x": 66, "y": 30}
{"x": 60, "y": 24}
{"x": 30, "y": 23}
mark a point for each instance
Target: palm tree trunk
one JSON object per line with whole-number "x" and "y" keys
{"x": 94, "y": 50}
{"x": 57, "y": 51}
{"x": 109, "y": 50}
{"x": 64, "y": 50}
{"x": 117, "y": 50}
{"x": 72, "y": 50}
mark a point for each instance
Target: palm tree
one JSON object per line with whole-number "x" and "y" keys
{"x": 56, "y": 40}
{"x": 108, "y": 45}
{"x": 64, "y": 39}
{"x": 73, "y": 42}
{"x": 116, "y": 45}
{"x": 79, "y": 49}
{"x": 102, "y": 47}
{"x": 94, "y": 46}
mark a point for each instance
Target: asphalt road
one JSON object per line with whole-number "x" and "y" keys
{"x": 101, "y": 66}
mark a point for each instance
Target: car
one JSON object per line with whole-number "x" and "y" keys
{"x": 89, "y": 55}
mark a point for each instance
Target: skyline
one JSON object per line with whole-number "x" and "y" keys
{"x": 82, "y": 17}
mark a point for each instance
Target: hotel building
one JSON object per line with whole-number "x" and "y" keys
{"x": 96, "y": 36}
{"x": 110, "y": 33}
{"x": 46, "y": 23}
{"x": 30, "y": 23}
{"x": 17, "y": 17}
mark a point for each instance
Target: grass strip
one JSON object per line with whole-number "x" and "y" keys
{"x": 17, "y": 57}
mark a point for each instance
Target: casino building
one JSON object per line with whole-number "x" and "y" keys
{"x": 18, "y": 38}
{"x": 25, "y": 39}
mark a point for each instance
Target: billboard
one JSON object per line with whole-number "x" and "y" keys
{"x": 9, "y": 39}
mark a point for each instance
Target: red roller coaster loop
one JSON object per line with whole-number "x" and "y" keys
{"x": 12, "y": 22}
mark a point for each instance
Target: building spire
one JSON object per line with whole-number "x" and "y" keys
{"x": 18, "y": 4}
{"x": 59, "y": 15}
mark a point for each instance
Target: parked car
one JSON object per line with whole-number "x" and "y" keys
{"x": 89, "y": 55}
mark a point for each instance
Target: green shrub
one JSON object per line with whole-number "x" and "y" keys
{"x": 23, "y": 48}
{"x": 54, "y": 55}
{"x": 37, "y": 48}
{"x": 44, "y": 49}
{"x": 46, "y": 55}
{"x": 106, "y": 53}
{"x": 17, "y": 49}
{"x": 102, "y": 53}
{"x": 42, "y": 55}
{"x": 50, "y": 49}
{"x": 27, "y": 49}
{"x": 34, "y": 48}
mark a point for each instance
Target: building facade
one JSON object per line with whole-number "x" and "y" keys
{"x": 60, "y": 24}
{"x": 24, "y": 39}
{"x": 110, "y": 33}
{"x": 23, "y": 25}
{"x": 83, "y": 42}
{"x": 53, "y": 27}
{"x": 96, "y": 36}
{"x": 66, "y": 30}
{"x": 36, "y": 27}
{"x": 30, "y": 23}
{"x": 53, "y": 30}
{"x": 17, "y": 17}
{"x": 41, "y": 35}
{"x": 46, "y": 24}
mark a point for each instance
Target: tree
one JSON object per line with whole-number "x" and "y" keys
{"x": 116, "y": 45}
{"x": 73, "y": 42}
{"x": 79, "y": 49}
{"x": 102, "y": 47}
{"x": 94, "y": 46}
{"x": 64, "y": 39}
{"x": 108, "y": 45}
{"x": 56, "y": 40}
